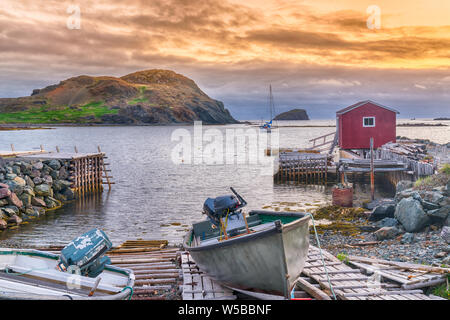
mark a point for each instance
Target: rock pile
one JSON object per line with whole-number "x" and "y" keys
{"x": 412, "y": 211}
{"x": 30, "y": 187}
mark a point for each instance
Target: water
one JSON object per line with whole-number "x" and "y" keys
{"x": 153, "y": 198}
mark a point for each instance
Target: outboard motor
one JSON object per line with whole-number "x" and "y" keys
{"x": 86, "y": 253}
{"x": 226, "y": 209}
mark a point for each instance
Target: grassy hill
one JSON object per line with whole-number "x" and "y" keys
{"x": 151, "y": 96}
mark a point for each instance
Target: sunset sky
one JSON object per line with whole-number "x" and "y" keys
{"x": 319, "y": 55}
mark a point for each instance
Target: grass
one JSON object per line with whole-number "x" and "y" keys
{"x": 52, "y": 114}
{"x": 138, "y": 100}
{"x": 436, "y": 180}
{"x": 442, "y": 291}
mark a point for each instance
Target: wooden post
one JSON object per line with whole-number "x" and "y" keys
{"x": 42, "y": 147}
{"x": 57, "y": 149}
{"x": 372, "y": 176}
{"x": 12, "y": 147}
{"x": 76, "y": 150}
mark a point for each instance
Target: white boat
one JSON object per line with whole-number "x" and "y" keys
{"x": 32, "y": 274}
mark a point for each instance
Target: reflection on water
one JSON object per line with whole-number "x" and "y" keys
{"x": 151, "y": 192}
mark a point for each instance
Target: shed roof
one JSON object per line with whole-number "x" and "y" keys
{"x": 361, "y": 103}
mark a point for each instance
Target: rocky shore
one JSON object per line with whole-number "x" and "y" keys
{"x": 30, "y": 188}
{"x": 414, "y": 226}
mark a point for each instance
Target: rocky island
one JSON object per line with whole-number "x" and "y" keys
{"x": 144, "y": 97}
{"x": 295, "y": 114}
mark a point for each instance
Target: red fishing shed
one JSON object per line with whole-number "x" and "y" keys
{"x": 361, "y": 121}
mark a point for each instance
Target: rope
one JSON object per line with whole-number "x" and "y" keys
{"x": 321, "y": 256}
{"x": 128, "y": 287}
{"x": 323, "y": 261}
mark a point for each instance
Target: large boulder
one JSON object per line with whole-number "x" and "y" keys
{"x": 410, "y": 214}
{"x": 403, "y": 185}
{"x": 43, "y": 190}
{"x": 383, "y": 211}
{"x": 26, "y": 199}
{"x": 386, "y": 233}
{"x": 69, "y": 194}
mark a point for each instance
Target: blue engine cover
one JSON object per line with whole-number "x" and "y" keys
{"x": 85, "y": 252}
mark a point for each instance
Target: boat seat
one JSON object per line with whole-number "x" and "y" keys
{"x": 205, "y": 231}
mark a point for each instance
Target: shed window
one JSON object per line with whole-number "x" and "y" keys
{"x": 369, "y": 122}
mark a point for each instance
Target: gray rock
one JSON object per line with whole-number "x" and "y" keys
{"x": 51, "y": 202}
{"x": 386, "y": 233}
{"x": 63, "y": 174}
{"x": 43, "y": 190}
{"x": 387, "y": 222}
{"x": 54, "y": 164}
{"x": 408, "y": 193}
{"x": 429, "y": 205}
{"x": 10, "y": 210}
{"x": 38, "y": 165}
{"x": 383, "y": 211}
{"x": 59, "y": 185}
{"x": 15, "y": 187}
{"x": 37, "y": 180}
{"x": 410, "y": 214}
{"x": 29, "y": 181}
{"x": 10, "y": 176}
{"x": 403, "y": 185}
{"x": 408, "y": 238}
{"x": 445, "y": 234}
{"x": 20, "y": 181}
{"x": 35, "y": 201}
{"x": 48, "y": 179}
{"x": 69, "y": 194}
{"x": 26, "y": 199}
{"x": 16, "y": 170}
{"x": 379, "y": 202}
{"x": 433, "y": 196}
{"x": 439, "y": 214}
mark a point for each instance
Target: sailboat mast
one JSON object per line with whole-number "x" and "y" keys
{"x": 271, "y": 102}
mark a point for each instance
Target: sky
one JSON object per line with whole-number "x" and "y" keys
{"x": 320, "y": 55}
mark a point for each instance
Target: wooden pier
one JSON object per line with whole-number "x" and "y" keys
{"x": 88, "y": 171}
{"x": 369, "y": 279}
{"x": 302, "y": 167}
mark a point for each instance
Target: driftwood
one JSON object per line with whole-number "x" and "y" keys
{"x": 312, "y": 290}
{"x": 400, "y": 265}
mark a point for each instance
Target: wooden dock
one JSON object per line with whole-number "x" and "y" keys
{"x": 371, "y": 280}
{"x": 302, "y": 167}
{"x": 88, "y": 171}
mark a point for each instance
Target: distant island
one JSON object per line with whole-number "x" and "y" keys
{"x": 145, "y": 97}
{"x": 441, "y": 118}
{"x": 295, "y": 114}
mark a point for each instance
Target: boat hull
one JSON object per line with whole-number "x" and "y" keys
{"x": 267, "y": 261}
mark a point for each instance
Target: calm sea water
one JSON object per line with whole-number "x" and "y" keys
{"x": 153, "y": 197}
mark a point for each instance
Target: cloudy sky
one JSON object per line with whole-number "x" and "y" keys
{"x": 320, "y": 55}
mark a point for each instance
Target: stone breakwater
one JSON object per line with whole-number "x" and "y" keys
{"x": 29, "y": 188}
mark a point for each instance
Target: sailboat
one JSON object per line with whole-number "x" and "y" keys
{"x": 268, "y": 124}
